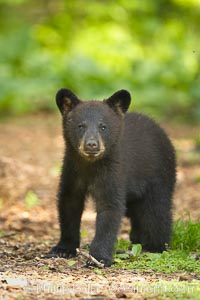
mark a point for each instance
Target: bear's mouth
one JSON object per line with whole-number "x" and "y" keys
{"x": 91, "y": 155}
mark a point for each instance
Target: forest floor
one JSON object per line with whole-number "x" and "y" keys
{"x": 31, "y": 150}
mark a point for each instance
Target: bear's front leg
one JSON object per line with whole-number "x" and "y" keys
{"x": 109, "y": 197}
{"x": 70, "y": 210}
{"x": 70, "y": 217}
{"x": 107, "y": 226}
{"x": 70, "y": 207}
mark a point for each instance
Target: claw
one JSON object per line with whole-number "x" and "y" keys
{"x": 60, "y": 252}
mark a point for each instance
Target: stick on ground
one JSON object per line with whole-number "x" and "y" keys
{"x": 90, "y": 258}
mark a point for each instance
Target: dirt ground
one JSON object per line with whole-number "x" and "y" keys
{"x": 31, "y": 150}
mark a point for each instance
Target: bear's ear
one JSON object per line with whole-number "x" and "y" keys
{"x": 119, "y": 101}
{"x": 66, "y": 100}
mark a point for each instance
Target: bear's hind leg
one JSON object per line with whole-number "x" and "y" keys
{"x": 135, "y": 235}
{"x": 151, "y": 223}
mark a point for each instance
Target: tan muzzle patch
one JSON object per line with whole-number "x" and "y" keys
{"x": 90, "y": 156}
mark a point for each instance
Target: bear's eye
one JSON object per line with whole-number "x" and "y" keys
{"x": 81, "y": 126}
{"x": 102, "y": 127}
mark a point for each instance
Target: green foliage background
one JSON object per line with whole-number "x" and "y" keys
{"x": 150, "y": 47}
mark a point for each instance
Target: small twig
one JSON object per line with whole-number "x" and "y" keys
{"x": 90, "y": 258}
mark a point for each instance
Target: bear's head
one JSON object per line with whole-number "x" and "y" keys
{"x": 92, "y": 128}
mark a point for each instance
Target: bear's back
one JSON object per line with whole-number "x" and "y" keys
{"x": 146, "y": 150}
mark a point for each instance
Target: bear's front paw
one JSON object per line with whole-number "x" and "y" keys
{"x": 60, "y": 251}
{"x": 106, "y": 261}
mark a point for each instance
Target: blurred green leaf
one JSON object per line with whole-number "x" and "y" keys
{"x": 71, "y": 263}
{"x": 136, "y": 250}
{"x": 31, "y": 200}
{"x": 84, "y": 234}
{"x": 1, "y": 203}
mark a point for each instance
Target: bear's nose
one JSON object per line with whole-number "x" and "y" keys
{"x": 91, "y": 145}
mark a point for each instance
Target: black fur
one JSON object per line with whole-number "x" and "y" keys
{"x": 135, "y": 175}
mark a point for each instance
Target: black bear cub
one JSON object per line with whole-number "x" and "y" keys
{"x": 126, "y": 163}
